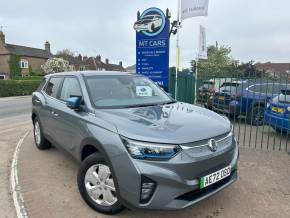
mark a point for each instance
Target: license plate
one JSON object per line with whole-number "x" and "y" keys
{"x": 214, "y": 177}
{"x": 277, "y": 109}
{"x": 222, "y": 98}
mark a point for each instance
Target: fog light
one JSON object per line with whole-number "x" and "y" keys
{"x": 147, "y": 189}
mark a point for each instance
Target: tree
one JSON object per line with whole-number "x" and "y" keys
{"x": 55, "y": 65}
{"x": 250, "y": 70}
{"x": 218, "y": 64}
{"x": 14, "y": 66}
{"x": 65, "y": 54}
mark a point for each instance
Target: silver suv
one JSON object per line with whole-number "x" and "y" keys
{"x": 137, "y": 147}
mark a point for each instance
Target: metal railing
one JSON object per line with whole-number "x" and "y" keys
{"x": 258, "y": 107}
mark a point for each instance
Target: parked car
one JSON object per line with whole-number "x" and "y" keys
{"x": 209, "y": 88}
{"x": 137, "y": 147}
{"x": 247, "y": 97}
{"x": 277, "y": 114}
{"x": 148, "y": 23}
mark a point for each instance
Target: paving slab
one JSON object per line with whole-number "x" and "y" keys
{"x": 49, "y": 188}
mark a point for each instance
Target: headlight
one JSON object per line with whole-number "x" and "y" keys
{"x": 288, "y": 108}
{"x": 268, "y": 104}
{"x": 150, "y": 151}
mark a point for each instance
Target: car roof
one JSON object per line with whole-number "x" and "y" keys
{"x": 91, "y": 73}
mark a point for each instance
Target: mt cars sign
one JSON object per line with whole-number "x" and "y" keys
{"x": 152, "y": 46}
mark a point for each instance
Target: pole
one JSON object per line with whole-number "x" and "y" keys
{"x": 177, "y": 47}
{"x": 195, "y": 82}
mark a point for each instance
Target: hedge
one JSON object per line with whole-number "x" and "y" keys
{"x": 18, "y": 87}
{"x": 28, "y": 78}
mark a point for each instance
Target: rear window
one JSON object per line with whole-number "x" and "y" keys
{"x": 230, "y": 84}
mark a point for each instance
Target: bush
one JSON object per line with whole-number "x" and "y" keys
{"x": 28, "y": 78}
{"x": 18, "y": 87}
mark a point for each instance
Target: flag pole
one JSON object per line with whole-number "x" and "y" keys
{"x": 195, "y": 82}
{"x": 177, "y": 47}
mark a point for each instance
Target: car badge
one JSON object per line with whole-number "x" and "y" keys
{"x": 212, "y": 145}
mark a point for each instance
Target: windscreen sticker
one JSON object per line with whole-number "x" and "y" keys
{"x": 143, "y": 91}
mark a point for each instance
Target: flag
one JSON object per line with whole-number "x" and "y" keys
{"x": 193, "y": 8}
{"x": 202, "y": 48}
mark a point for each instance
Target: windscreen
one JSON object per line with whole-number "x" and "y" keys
{"x": 230, "y": 87}
{"x": 124, "y": 91}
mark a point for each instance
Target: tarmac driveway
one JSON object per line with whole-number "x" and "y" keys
{"x": 48, "y": 184}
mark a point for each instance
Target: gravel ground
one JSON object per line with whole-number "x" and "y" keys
{"x": 48, "y": 180}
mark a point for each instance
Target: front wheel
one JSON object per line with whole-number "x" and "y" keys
{"x": 97, "y": 186}
{"x": 256, "y": 116}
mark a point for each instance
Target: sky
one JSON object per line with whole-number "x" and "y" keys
{"x": 255, "y": 29}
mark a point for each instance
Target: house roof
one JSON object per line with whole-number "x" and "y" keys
{"x": 115, "y": 67}
{"x": 274, "y": 67}
{"x": 27, "y": 51}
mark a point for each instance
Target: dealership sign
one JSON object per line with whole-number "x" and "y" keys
{"x": 152, "y": 45}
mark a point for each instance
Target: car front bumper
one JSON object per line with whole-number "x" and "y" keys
{"x": 277, "y": 121}
{"x": 177, "y": 180}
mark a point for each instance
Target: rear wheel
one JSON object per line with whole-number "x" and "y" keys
{"x": 40, "y": 141}
{"x": 256, "y": 115}
{"x": 97, "y": 186}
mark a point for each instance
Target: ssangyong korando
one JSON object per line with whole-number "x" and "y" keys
{"x": 137, "y": 147}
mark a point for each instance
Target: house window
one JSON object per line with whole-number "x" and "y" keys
{"x": 82, "y": 68}
{"x": 23, "y": 64}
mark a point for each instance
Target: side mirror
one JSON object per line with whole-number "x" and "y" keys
{"x": 73, "y": 103}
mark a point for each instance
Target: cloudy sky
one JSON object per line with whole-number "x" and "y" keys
{"x": 254, "y": 29}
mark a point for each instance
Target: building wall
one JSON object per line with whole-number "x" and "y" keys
{"x": 4, "y": 66}
{"x": 35, "y": 64}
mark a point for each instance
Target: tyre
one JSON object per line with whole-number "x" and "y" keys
{"x": 96, "y": 185}
{"x": 256, "y": 116}
{"x": 40, "y": 141}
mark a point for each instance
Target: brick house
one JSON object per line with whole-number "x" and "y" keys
{"x": 29, "y": 57}
{"x": 274, "y": 69}
{"x": 80, "y": 63}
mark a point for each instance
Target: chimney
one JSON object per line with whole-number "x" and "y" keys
{"x": 47, "y": 46}
{"x": 80, "y": 58}
{"x": 2, "y": 37}
{"x": 120, "y": 63}
{"x": 99, "y": 58}
{"x": 107, "y": 61}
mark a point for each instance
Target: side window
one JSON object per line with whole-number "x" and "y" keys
{"x": 70, "y": 88}
{"x": 41, "y": 85}
{"x": 53, "y": 86}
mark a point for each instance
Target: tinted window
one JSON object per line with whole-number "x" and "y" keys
{"x": 53, "y": 86}
{"x": 70, "y": 88}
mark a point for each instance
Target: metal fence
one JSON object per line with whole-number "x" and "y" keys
{"x": 259, "y": 108}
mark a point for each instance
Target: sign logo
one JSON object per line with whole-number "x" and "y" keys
{"x": 212, "y": 145}
{"x": 151, "y": 23}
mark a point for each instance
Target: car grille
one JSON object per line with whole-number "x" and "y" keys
{"x": 200, "y": 149}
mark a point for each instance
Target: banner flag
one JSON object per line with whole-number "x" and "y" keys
{"x": 193, "y": 8}
{"x": 202, "y": 48}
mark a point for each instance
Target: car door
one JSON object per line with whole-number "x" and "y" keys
{"x": 47, "y": 116}
{"x": 70, "y": 123}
